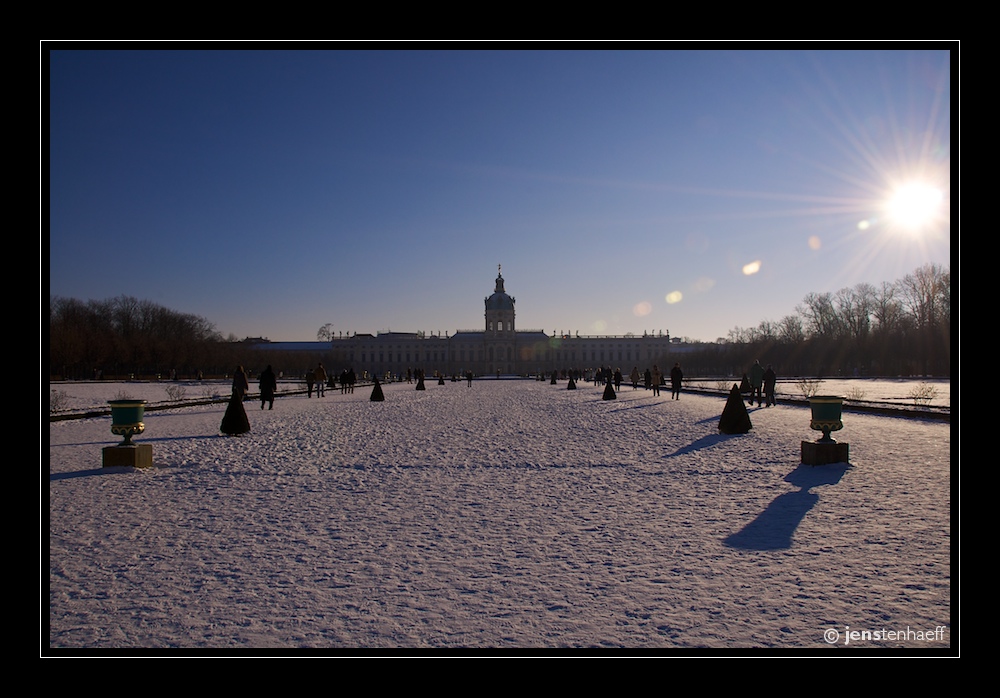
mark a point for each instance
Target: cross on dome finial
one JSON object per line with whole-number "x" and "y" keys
{"x": 498, "y": 269}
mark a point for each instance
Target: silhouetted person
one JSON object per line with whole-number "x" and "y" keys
{"x": 268, "y": 384}
{"x": 756, "y": 383}
{"x": 321, "y": 377}
{"x": 770, "y": 379}
{"x": 676, "y": 376}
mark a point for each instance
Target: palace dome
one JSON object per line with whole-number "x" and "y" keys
{"x": 499, "y": 300}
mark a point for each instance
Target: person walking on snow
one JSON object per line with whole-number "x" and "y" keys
{"x": 770, "y": 379}
{"x": 320, "y": 380}
{"x": 268, "y": 384}
{"x": 676, "y": 375}
{"x": 756, "y": 383}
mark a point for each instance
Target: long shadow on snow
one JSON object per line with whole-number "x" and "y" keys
{"x": 633, "y": 406}
{"x": 704, "y": 442}
{"x": 774, "y": 527}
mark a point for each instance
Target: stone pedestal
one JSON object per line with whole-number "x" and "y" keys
{"x": 823, "y": 453}
{"x": 134, "y": 456}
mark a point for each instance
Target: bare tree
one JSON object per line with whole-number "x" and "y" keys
{"x": 886, "y": 309}
{"x": 945, "y": 311}
{"x": 767, "y": 331}
{"x": 925, "y": 295}
{"x": 739, "y": 335}
{"x": 790, "y": 330}
{"x": 819, "y": 315}
{"x": 854, "y": 310}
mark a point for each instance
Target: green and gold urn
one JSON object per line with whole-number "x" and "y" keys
{"x": 126, "y": 419}
{"x": 826, "y": 415}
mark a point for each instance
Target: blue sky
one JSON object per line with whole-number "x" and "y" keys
{"x": 274, "y": 191}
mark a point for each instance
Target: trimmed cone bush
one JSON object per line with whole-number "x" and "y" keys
{"x": 735, "y": 418}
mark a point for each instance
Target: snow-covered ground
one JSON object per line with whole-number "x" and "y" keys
{"x": 512, "y": 514}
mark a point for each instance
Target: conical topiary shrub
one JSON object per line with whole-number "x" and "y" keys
{"x": 571, "y": 385}
{"x": 735, "y": 418}
{"x": 553, "y": 381}
{"x": 609, "y": 392}
{"x": 377, "y": 395}
{"x": 745, "y": 385}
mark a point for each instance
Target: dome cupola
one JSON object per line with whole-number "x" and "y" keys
{"x": 500, "y": 311}
{"x": 499, "y": 300}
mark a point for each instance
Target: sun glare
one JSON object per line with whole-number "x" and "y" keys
{"x": 914, "y": 206}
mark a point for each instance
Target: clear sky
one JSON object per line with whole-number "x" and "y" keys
{"x": 274, "y": 191}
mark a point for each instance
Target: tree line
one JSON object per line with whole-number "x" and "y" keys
{"x": 900, "y": 328}
{"x": 125, "y": 337}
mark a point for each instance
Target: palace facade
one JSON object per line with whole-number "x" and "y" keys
{"x": 498, "y": 348}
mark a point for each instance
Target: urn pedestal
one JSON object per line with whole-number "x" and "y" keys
{"x": 126, "y": 421}
{"x": 134, "y": 456}
{"x": 827, "y": 411}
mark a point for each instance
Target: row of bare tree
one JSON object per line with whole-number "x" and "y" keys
{"x": 898, "y": 328}
{"x": 125, "y": 337}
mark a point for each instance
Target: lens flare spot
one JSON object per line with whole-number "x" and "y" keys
{"x": 814, "y": 242}
{"x": 600, "y": 327}
{"x": 864, "y": 225}
{"x": 696, "y": 242}
{"x": 643, "y": 308}
{"x": 751, "y": 268}
{"x": 704, "y": 284}
{"x": 673, "y": 297}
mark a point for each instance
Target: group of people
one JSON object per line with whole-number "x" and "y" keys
{"x": 316, "y": 378}
{"x": 235, "y": 420}
{"x": 653, "y": 378}
{"x": 762, "y": 382}
{"x": 319, "y": 380}
{"x": 347, "y": 380}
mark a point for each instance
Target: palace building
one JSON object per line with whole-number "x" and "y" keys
{"x": 498, "y": 348}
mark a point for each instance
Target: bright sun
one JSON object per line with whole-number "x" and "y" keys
{"x": 915, "y": 206}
